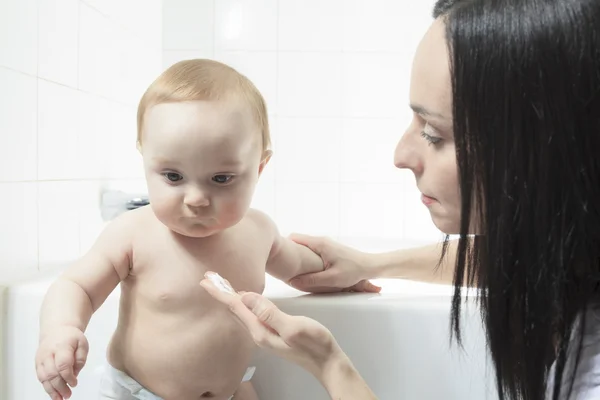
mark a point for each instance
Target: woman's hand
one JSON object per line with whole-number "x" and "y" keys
{"x": 301, "y": 340}
{"x": 345, "y": 268}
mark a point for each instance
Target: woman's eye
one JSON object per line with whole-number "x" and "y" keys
{"x": 222, "y": 178}
{"x": 173, "y": 176}
{"x": 431, "y": 139}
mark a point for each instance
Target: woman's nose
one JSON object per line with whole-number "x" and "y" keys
{"x": 407, "y": 155}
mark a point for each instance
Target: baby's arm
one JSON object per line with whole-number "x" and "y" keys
{"x": 84, "y": 286}
{"x": 287, "y": 258}
{"x": 70, "y": 303}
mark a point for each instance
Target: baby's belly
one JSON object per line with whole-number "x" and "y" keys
{"x": 179, "y": 358}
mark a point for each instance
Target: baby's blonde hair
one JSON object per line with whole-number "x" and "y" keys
{"x": 202, "y": 79}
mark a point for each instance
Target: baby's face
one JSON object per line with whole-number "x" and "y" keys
{"x": 202, "y": 161}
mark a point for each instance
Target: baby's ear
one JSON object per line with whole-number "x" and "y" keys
{"x": 264, "y": 160}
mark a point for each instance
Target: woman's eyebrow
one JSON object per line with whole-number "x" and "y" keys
{"x": 426, "y": 113}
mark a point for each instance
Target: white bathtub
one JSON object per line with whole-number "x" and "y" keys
{"x": 398, "y": 340}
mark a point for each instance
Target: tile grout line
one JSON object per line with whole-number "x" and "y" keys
{"x": 214, "y": 29}
{"x": 341, "y": 133}
{"x": 79, "y": 131}
{"x": 37, "y": 139}
{"x": 277, "y": 85}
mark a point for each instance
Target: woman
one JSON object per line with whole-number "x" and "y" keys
{"x": 504, "y": 145}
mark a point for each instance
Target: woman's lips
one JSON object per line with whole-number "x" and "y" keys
{"x": 427, "y": 200}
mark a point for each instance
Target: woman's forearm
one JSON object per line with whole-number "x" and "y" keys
{"x": 418, "y": 264}
{"x": 343, "y": 382}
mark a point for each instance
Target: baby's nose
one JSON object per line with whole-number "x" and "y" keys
{"x": 196, "y": 198}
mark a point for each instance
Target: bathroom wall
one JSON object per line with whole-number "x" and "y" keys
{"x": 335, "y": 74}
{"x": 71, "y": 73}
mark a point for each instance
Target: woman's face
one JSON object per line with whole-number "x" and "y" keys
{"x": 427, "y": 146}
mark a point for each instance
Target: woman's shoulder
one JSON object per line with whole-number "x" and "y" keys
{"x": 586, "y": 385}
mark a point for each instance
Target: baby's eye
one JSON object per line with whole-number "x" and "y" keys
{"x": 173, "y": 176}
{"x": 222, "y": 178}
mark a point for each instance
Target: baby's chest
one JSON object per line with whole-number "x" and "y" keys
{"x": 171, "y": 275}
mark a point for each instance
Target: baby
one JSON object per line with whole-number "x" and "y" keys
{"x": 204, "y": 137}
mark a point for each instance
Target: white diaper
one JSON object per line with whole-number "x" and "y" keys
{"x": 117, "y": 385}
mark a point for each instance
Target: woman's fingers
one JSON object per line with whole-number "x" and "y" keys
{"x": 260, "y": 327}
{"x": 299, "y": 339}
{"x": 268, "y": 313}
{"x": 262, "y": 334}
{"x": 366, "y": 286}
{"x": 268, "y": 325}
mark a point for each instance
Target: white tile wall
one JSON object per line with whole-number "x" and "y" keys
{"x": 71, "y": 73}
{"x": 375, "y": 84}
{"x": 18, "y": 126}
{"x": 310, "y": 84}
{"x": 367, "y": 150}
{"x": 58, "y": 128}
{"x": 335, "y": 74}
{"x": 58, "y": 222}
{"x": 308, "y": 207}
{"x": 311, "y": 25}
{"x": 245, "y": 25}
{"x": 384, "y": 25}
{"x": 307, "y": 150}
{"x": 58, "y": 41}
{"x": 19, "y": 19}
{"x": 191, "y": 24}
{"x": 18, "y": 230}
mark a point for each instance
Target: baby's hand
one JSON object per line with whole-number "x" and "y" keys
{"x": 59, "y": 359}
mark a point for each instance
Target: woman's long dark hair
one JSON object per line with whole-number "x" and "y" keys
{"x": 526, "y": 107}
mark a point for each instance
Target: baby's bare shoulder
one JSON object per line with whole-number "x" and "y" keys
{"x": 258, "y": 225}
{"x": 260, "y": 220}
{"x": 121, "y": 232}
{"x": 120, "y": 229}
{"x": 140, "y": 220}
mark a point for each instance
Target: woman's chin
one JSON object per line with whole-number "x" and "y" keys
{"x": 448, "y": 226}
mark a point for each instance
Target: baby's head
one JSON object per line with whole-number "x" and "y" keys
{"x": 204, "y": 137}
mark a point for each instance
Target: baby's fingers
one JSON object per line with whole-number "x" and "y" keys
{"x": 80, "y": 356}
{"x": 55, "y": 380}
{"x": 51, "y": 391}
{"x": 41, "y": 374}
{"x": 64, "y": 360}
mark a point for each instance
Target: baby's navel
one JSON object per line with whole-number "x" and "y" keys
{"x": 207, "y": 395}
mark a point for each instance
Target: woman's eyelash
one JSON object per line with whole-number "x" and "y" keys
{"x": 431, "y": 139}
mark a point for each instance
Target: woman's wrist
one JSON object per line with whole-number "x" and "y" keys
{"x": 384, "y": 265}
{"x": 343, "y": 382}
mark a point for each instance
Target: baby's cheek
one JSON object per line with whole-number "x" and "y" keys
{"x": 160, "y": 211}
{"x": 236, "y": 208}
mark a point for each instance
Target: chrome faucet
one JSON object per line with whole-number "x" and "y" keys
{"x": 115, "y": 202}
